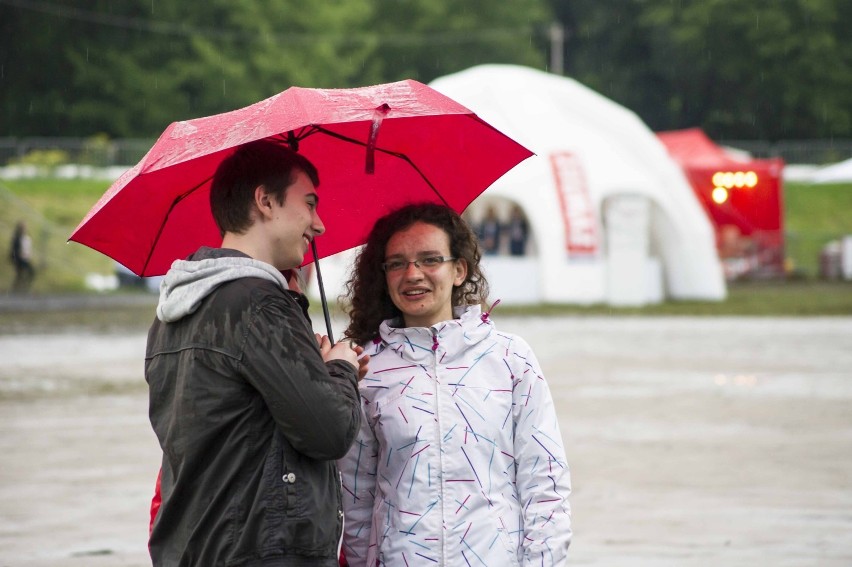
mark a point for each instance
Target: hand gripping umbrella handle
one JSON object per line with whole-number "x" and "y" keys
{"x": 322, "y": 292}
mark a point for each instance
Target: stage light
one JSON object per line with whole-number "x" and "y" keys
{"x": 720, "y": 195}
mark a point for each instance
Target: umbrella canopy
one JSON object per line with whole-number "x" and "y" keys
{"x": 376, "y": 148}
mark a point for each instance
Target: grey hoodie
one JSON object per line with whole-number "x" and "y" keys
{"x": 190, "y": 281}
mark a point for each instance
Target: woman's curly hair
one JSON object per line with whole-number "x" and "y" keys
{"x": 367, "y": 288}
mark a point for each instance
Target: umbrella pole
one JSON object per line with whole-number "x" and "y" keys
{"x": 322, "y": 292}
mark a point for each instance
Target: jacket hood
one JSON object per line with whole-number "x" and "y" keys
{"x": 418, "y": 344}
{"x": 188, "y": 282}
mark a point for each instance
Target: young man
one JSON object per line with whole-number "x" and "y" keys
{"x": 250, "y": 407}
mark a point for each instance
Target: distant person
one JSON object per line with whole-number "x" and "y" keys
{"x": 250, "y": 407}
{"x": 518, "y": 231}
{"x": 489, "y": 232}
{"x": 21, "y": 254}
{"x": 459, "y": 460}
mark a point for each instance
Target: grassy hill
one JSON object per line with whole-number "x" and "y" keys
{"x": 815, "y": 214}
{"x": 52, "y": 208}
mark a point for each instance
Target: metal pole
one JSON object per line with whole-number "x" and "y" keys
{"x": 557, "y": 40}
{"x": 322, "y": 292}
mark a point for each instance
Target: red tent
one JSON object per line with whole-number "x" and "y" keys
{"x": 742, "y": 197}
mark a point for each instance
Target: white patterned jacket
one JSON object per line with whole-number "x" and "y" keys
{"x": 459, "y": 460}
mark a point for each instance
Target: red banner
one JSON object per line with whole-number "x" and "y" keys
{"x": 578, "y": 212}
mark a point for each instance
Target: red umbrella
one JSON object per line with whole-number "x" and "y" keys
{"x": 376, "y": 148}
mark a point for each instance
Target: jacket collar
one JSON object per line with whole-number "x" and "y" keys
{"x": 448, "y": 340}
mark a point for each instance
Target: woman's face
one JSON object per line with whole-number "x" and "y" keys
{"x": 423, "y": 294}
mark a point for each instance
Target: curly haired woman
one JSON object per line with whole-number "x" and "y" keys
{"x": 459, "y": 460}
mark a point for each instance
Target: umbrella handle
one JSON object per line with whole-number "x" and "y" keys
{"x": 322, "y": 292}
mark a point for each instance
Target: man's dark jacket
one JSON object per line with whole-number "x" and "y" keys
{"x": 249, "y": 417}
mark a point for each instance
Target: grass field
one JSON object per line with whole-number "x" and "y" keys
{"x": 814, "y": 215}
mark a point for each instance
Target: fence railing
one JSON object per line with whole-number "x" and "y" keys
{"x": 126, "y": 152}
{"x": 815, "y": 152}
{"x": 85, "y": 151}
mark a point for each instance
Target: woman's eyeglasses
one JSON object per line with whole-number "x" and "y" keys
{"x": 426, "y": 263}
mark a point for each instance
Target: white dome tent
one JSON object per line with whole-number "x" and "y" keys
{"x": 612, "y": 218}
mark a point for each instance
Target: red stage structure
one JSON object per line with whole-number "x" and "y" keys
{"x": 742, "y": 197}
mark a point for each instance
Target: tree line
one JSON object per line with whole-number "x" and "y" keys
{"x": 745, "y": 69}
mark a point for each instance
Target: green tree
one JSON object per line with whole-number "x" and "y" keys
{"x": 229, "y": 54}
{"x": 129, "y": 68}
{"x": 765, "y": 69}
{"x": 426, "y": 39}
{"x": 35, "y": 78}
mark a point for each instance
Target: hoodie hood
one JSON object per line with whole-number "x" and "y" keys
{"x": 188, "y": 282}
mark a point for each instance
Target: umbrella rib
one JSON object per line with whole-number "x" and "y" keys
{"x": 291, "y": 139}
{"x": 176, "y": 200}
{"x": 401, "y": 156}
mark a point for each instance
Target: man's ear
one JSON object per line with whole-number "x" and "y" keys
{"x": 263, "y": 201}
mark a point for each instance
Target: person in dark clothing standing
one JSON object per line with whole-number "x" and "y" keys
{"x": 250, "y": 407}
{"x": 489, "y": 232}
{"x": 21, "y": 254}
{"x": 518, "y": 231}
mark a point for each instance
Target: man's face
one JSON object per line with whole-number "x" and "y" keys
{"x": 295, "y": 222}
{"x": 424, "y": 295}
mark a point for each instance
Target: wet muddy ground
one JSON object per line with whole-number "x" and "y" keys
{"x": 692, "y": 441}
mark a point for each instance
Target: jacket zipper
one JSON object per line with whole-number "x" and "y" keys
{"x": 439, "y": 438}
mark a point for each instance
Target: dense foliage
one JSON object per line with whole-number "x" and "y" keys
{"x": 739, "y": 68}
{"x": 744, "y": 69}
